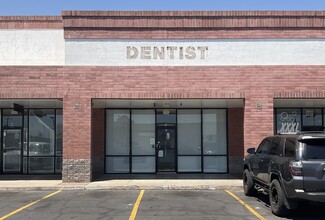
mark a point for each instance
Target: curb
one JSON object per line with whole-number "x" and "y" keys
{"x": 132, "y": 187}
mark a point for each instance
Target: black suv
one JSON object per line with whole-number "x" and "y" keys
{"x": 289, "y": 168}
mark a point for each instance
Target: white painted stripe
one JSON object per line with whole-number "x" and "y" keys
{"x": 113, "y": 52}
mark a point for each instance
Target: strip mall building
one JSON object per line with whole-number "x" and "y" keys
{"x": 94, "y": 92}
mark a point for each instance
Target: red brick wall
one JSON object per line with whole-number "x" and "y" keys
{"x": 31, "y": 22}
{"x": 235, "y": 131}
{"x": 193, "y": 24}
{"x": 76, "y": 126}
{"x": 256, "y": 84}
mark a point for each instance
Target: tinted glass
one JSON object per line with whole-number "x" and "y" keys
{"x": 289, "y": 148}
{"x": 166, "y": 117}
{"x": 315, "y": 149}
{"x": 262, "y": 149}
{"x": 11, "y": 118}
{"x": 274, "y": 146}
{"x": 312, "y": 117}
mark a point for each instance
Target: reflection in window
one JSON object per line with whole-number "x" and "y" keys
{"x": 41, "y": 132}
{"x": 312, "y": 117}
{"x": 12, "y": 118}
{"x": 214, "y": 131}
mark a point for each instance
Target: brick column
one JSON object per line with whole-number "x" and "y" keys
{"x": 76, "y": 139}
{"x": 258, "y": 119}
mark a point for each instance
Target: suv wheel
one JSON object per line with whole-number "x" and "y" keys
{"x": 248, "y": 184}
{"x": 277, "y": 199}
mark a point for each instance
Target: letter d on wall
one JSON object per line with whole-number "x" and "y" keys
{"x": 131, "y": 53}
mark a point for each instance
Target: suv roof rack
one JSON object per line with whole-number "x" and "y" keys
{"x": 311, "y": 132}
{"x": 283, "y": 133}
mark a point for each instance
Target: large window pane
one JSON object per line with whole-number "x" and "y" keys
{"x": 117, "y": 132}
{"x": 212, "y": 164}
{"x": 189, "y": 132}
{"x": 214, "y": 131}
{"x": 311, "y": 117}
{"x": 41, "y": 132}
{"x": 143, "y": 164}
{"x": 288, "y": 120}
{"x": 12, "y": 118}
{"x": 59, "y": 131}
{"x": 143, "y": 132}
{"x": 189, "y": 163}
{"x": 117, "y": 164}
{"x": 41, "y": 165}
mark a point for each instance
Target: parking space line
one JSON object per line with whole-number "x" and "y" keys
{"x": 246, "y": 205}
{"x": 28, "y": 205}
{"x": 136, "y": 206}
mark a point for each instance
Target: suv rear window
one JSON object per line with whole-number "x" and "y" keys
{"x": 314, "y": 149}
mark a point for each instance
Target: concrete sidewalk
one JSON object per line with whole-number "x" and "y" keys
{"x": 185, "y": 182}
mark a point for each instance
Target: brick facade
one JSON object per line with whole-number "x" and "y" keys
{"x": 258, "y": 86}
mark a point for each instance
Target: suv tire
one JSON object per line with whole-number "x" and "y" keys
{"x": 277, "y": 199}
{"x": 248, "y": 184}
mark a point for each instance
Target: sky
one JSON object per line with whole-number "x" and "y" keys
{"x": 54, "y": 7}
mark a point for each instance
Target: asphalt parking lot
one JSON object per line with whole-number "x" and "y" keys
{"x": 154, "y": 204}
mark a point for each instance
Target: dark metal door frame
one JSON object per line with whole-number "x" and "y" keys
{"x": 2, "y": 129}
{"x": 157, "y": 127}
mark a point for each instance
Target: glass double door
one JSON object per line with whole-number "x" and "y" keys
{"x": 11, "y": 151}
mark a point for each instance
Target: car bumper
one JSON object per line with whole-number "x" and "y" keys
{"x": 310, "y": 196}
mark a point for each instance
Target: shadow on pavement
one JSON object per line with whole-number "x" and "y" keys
{"x": 304, "y": 211}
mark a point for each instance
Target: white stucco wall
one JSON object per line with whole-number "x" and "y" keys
{"x": 31, "y": 47}
{"x": 220, "y": 52}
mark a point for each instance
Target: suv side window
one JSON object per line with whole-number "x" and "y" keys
{"x": 289, "y": 148}
{"x": 274, "y": 146}
{"x": 262, "y": 149}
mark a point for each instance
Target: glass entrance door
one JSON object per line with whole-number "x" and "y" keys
{"x": 166, "y": 140}
{"x": 166, "y": 149}
{"x": 11, "y": 151}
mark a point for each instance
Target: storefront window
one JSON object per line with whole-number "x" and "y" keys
{"x": 143, "y": 132}
{"x": 41, "y": 132}
{"x": 143, "y": 141}
{"x": 189, "y": 132}
{"x": 215, "y": 164}
{"x": 35, "y": 131}
{"x": 312, "y": 119}
{"x": 214, "y": 132}
{"x": 288, "y": 120}
{"x": 160, "y": 140}
{"x": 12, "y": 118}
{"x": 118, "y": 132}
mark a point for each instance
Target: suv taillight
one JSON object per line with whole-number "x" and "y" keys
{"x": 295, "y": 168}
